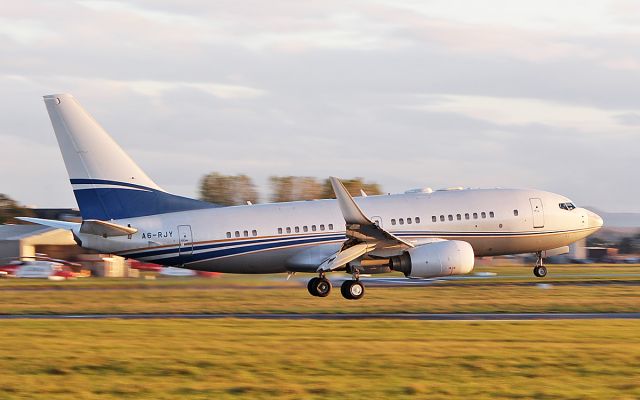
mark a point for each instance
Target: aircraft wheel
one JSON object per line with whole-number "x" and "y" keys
{"x": 540, "y": 271}
{"x": 322, "y": 287}
{"x": 311, "y": 286}
{"x": 352, "y": 290}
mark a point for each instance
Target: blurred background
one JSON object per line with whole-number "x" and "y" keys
{"x": 260, "y": 101}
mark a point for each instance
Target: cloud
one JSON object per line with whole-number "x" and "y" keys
{"x": 522, "y": 111}
{"x": 410, "y": 93}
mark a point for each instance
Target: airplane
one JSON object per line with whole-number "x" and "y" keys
{"x": 421, "y": 233}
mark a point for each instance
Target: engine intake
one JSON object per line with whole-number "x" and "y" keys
{"x": 449, "y": 257}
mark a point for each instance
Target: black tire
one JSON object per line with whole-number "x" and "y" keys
{"x": 540, "y": 271}
{"x": 322, "y": 287}
{"x": 344, "y": 289}
{"x": 311, "y": 286}
{"x": 352, "y": 290}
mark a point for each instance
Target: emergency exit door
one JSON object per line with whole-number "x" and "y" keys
{"x": 538, "y": 213}
{"x": 186, "y": 240}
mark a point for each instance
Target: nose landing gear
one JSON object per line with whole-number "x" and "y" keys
{"x": 539, "y": 270}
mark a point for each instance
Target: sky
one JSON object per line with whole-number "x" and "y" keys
{"x": 409, "y": 94}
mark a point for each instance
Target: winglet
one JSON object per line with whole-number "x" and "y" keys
{"x": 357, "y": 222}
{"x": 350, "y": 210}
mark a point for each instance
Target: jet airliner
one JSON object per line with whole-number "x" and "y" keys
{"x": 421, "y": 233}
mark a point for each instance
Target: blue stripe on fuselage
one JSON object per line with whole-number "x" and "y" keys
{"x": 229, "y": 251}
{"x": 243, "y": 243}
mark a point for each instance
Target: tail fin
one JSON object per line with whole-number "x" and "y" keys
{"x": 106, "y": 182}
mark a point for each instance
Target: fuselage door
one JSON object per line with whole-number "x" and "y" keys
{"x": 377, "y": 221}
{"x": 186, "y": 239}
{"x": 538, "y": 213}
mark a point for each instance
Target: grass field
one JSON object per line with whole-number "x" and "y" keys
{"x": 574, "y": 290}
{"x": 168, "y": 359}
{"x": 310, "y": 359}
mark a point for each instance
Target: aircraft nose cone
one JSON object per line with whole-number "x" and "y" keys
{"x": 595, "y": 221}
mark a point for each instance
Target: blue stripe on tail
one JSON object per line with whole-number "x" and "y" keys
{"x": 128, "y": 200}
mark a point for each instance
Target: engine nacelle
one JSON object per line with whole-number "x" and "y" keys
{"x": 449, "y": 257}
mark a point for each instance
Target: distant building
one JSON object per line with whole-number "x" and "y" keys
{"x": 578, "y": 250}
{"x": 27, "y": 240}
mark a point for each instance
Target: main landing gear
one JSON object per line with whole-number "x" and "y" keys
{"x": 319, "y": 287}
{"x": 539, "y": 270}
{"x": 351, "y": 289}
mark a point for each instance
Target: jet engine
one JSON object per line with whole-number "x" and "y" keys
{"x": 448, "y": 257}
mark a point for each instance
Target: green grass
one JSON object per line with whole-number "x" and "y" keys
{"x": 225, "y": 359}
{"x": 269, "y": 294}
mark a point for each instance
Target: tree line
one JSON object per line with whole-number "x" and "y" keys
{"x": 230, "y": 190}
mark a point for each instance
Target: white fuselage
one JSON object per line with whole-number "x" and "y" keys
{"x": 296, "y": 236}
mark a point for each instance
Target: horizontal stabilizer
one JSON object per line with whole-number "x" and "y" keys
{"x": 105, "y": 229}
{"x": 51, "y": 223}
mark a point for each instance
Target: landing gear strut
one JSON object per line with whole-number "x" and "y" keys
{"x": 319, "y": 287}
{"x": 539, "y": 270}
{"x": 353, "y": 289}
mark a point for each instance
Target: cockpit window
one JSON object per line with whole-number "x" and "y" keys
{"x": 567, "y": 206}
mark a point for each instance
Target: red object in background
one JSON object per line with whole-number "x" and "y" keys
{"x": 10, "y": 269}
{"x": 145, "y": 266}
{"x": 64, "y": 272}
{"x": 207, "y": 274}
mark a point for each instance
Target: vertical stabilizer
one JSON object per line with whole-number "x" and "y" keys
{"x": 107, "y": 183}
{"x": 89, "y": 152}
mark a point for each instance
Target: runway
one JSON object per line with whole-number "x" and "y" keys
{"x": 351, "y": 316}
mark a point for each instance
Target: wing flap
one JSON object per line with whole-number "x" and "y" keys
{"x": 344, "y": 256}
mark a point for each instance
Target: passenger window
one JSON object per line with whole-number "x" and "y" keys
{"x": 279, "y": 231}
{"x": 466, "y": 215}
{"x": 330, "y": 227}
{"x": 313, "y": 228}
{"x": 515, "y": 213}
{"x": 288, "y": 229}
{"x": 305, "y": 228}
{"x": 433, "y": 218}
{"x": 484, "y": 214}
{"x": 417, "y": 220}
{"x": 408, "y": 220}
{"x": 491, "y": 214}
{"x": 228, "y": 234}
{"x": 475, "y": 215}
{"x": 254, "y": 232}
{"x": 246, "y": 233}
{"x": 393, "y": 221}
{"x": 442, "y": 218}
{"x": 401, "y": 221}
{"x": 297, "y": 229}
{"x": 237, "y": 233}
{"x": 322, "y": 227}
{"x": 450, "y": 217}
